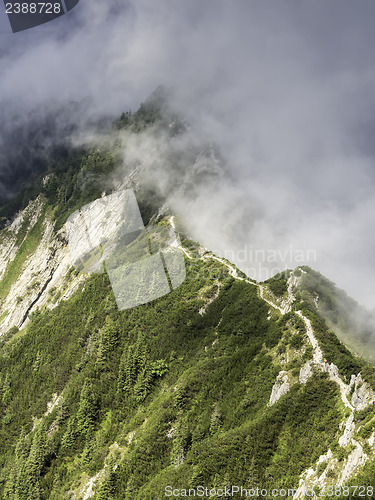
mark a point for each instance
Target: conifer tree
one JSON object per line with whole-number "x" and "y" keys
{"x": 110, "y": 335}
{"x": 37, "y": 362}
{"x": 69, "y": 438}
{"x": 7, "y": 394}
{"x": 144, "y": 383}
{"x": 87, "y": 410}
{"x": 127, "y": 371}
{"x": 35, "y": 463}
{"x": 108, "y": 486}
{"x": 13, "y": 487}
{"x": 87, "y": 452}
{"x": 108, "y": 341}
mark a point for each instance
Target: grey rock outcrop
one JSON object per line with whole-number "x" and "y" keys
{"x": 305, "y": 372}
{"x": 280, "y": 387}
{"x": 362, "y": 392}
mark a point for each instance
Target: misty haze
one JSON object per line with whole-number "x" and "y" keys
{"x": 286, "y": 97}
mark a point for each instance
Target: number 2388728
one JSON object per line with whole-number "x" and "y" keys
{"x": 33, "y": 8}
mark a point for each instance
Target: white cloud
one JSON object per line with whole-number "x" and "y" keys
{"x": 285, "y": 89}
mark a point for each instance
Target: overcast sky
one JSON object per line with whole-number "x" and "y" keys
{"x": 286, "y": 88}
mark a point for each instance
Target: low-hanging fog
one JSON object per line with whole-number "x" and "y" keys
{"x": 284, "y": 88}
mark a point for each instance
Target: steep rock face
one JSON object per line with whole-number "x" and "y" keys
{"x": 43, "y": 278}
{"x": 8, "y": 246}
{"x": 362, "y": 393}
{"x": 311, "y": 480}
{"x": 305, "y": 372}
{"x": 100, "y": 220}
{"x": 344, "y": 440}
{"x": 280, "y": 387}
{"x": 12, "y": 236}
{"x": 353, "y": 462}
{"x": 40, "y": 275}
{"x": 293, "y": 282}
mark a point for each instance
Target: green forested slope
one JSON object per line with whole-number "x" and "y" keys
{"x": 159, "y": 394}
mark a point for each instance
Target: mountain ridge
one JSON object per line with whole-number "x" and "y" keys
{"x": 223, "y": 381}
{"x": 283, "y": 381}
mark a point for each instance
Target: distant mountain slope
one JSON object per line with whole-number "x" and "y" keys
{"x": 354, "y": 325}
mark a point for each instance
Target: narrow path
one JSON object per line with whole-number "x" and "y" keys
{"x": 343, "y": 390}
{"x": 272, "y": 304}
{"x": 203, "y": 309}
{"x": 232, "y": 270}
{"x": 317, "y": 351}
{"x": 174, "y": 239}
{"x": 317, "y": 359}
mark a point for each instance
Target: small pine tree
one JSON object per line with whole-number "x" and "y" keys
{"x": 110, "y": 335}
{"x": 135, "y": 372}
{"x": 108, "y": 341}
{"x": 144, "y": 383}
{"x": 38, "y": 452}
{"x": 7, "y": 394}
{"x": 181, "y": 443}
{"x": 127, "y": 371}
{"x": 69, "y": 438}
{"x": 13, "y": 487}
{"x": 87, "y": 452}
{"x": 37, "y": 362}
{"x": 34, "y": 464}
{"x": 87, "y": 410}
{"x": 108, "y": 486}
